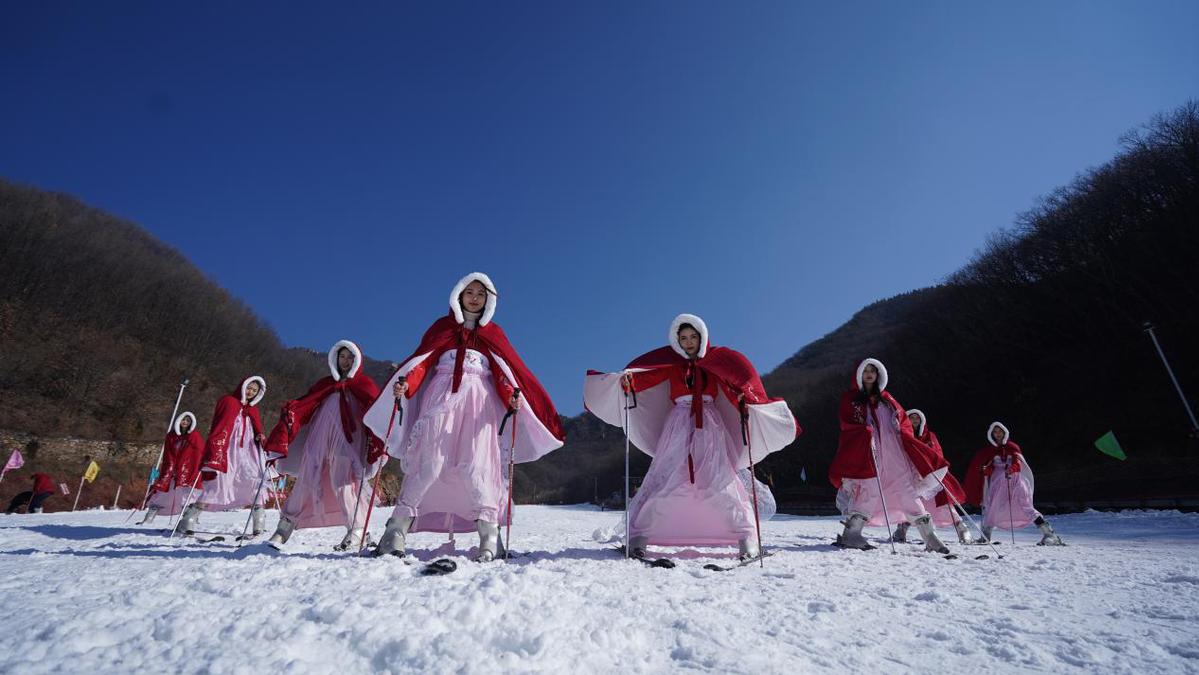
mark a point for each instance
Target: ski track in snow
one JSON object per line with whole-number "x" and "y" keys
{"x": 84, "y": 592}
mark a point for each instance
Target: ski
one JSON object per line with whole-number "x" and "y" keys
{"x": 740, "y": 563}
{"x": 836, "y": 543}
{"x": 438, "y": 568}
{"x": 661, "y": 563}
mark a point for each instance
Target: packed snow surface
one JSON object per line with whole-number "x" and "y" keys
{"x": 85, "y": 592}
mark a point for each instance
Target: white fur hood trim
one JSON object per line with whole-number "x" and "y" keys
{"x": 882, "y": 373}
{"x": 180, "y": 419}
{"x": 700, "y": 327}
{"x": 261, "y": 389}
{"x": 998, "y": 425}
{"x": 333, "y": 359}
{"x": 488, "y": 308}
{"x": 923, "y": 420}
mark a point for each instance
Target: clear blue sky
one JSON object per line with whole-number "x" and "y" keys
{"x": 772, "y": 167}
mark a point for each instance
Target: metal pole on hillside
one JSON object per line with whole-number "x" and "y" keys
{"x": 1177, "y": 387}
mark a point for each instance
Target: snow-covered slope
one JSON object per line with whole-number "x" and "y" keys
{"x": 84, "y": 592}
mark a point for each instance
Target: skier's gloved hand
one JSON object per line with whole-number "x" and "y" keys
{"x": 400, "y": 388}
{"x": 626, "y": 381}
{"x": 208, "y": 475}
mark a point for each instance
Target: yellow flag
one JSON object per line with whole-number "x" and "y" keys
{"x": 92, "y": 470}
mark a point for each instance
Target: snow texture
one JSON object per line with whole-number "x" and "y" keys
{"x": 84, "y": 593}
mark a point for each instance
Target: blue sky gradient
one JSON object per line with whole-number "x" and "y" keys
{"x": 772, "y": 167}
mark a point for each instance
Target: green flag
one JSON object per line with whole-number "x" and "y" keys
{"x": 1108, "y": 445}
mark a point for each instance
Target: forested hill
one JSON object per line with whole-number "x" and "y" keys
{"x": 100, "y": 321}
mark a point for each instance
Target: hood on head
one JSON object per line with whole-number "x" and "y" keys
{"x": 241, "y": 391}
{"x": 882, "y": 373}
{"x": 700, "y": 327}
{"x": 180, "y": 419}
{"x": 488, "y": 308}
{"x": 998, "y": 425}
{"x": 333, "y": 359}
{"x": 923, "y": 420}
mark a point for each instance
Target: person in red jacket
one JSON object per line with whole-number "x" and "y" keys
{"x": 179, "y": 475}
{"x": 456, "y": 390}
{"x": 695, "y": 401}
{"x": 320, "y": 439}
{"x": 234, "y": 465}
{"x": 1000, "y": 480}
{"x": 880, "y": 463}
{"x": 43, "y": 488}
{"x": 942, "y": 506}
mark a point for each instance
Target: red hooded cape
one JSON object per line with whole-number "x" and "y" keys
{"x": 181, "y": 461}
{"x": 297, "y": 413}
{"x": 853, "y": 458}
{"x": 667, "y": 373}
{"x": 447, "y": 334}
{"x": 228, "y": 408}
{"x": 730, "y": 369}
{"x": 981, "y": 467}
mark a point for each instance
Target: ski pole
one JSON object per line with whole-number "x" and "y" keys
{"x": 361, "y": 480}
{"x": 628, "y": 536}
{"x": 186, "y": 503}
{"x": 753, "y": 479}
{"x": 257, "y": 493}
{"x": 396, "y": 411}
{"x": 158, "y": 462}
{"x": 1011, "y": 522}
{"x": 962, "y": 510}
{"x": 511, "y": 470}
{"x": 878, "y": 477}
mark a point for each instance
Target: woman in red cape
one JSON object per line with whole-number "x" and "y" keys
{"x": 690, "y": 398}
{"x": 320, "y": 439}
{"x": 1001, "y": 482}
{"x": 179, "y": 475}
{"x": 456, "y": 391}
{"x": 942, "y": 506}
{"x": 878, "y": 449}
{"x": 233, "y": 465}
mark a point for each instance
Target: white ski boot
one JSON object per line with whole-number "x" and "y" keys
{"x": 901, "y": 533}
{"x": 489, "y": 538}
{"x": 963, "y": 533}
{"x": 932, "y": 543}
{"x": 258, "y": 515}
{"x": 151, "y": 513}
{"x": 1048, "y": 537}
{"x": 189, "y": 520}
{"x": 351, "y": 541}
{"x": 852, "y": 536}
{"x": 748, "y": 550}
{"x": 392, "y": 542}
{"x": 282, "y": 534}
{"x": 987, "y": 530}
